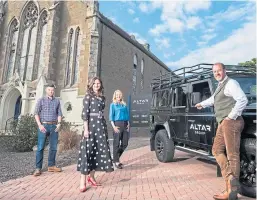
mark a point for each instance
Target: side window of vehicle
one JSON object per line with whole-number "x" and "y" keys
{"x": 179, "y": 97}
{"x": 170, "y": 98}
{"x": 154, "y": 99}
{"x": 201, "y": 91}
{"x": 164, "y": 98}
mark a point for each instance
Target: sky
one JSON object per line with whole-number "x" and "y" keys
{"x": 184, "y": 33}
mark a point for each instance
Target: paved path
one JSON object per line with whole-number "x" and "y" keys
{"x": 143, "y": 178}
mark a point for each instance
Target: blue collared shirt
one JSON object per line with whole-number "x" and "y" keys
{"x": 118, "y": 112}
{"x": 48, "y": 109}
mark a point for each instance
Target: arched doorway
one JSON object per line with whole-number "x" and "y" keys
{"x": 17, "y": 110}
{"x": 10, "y": 106}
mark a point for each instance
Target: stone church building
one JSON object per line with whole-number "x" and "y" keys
{"x": 66, "y": 43}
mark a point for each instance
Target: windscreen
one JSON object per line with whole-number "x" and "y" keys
{"x": 248, "y": 85}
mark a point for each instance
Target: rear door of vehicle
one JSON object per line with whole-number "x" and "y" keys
{"x": 161, "y": 110}
{"x": 178, "y": 116}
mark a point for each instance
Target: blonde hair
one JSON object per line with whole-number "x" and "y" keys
{"x": 114, "y": 100}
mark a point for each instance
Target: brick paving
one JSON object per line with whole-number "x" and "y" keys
{"x": 143, "y": 178}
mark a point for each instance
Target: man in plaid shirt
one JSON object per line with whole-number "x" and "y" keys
{"x": 48, "y": 115}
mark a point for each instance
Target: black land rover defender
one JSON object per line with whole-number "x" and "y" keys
{"x": 176, "y": 123}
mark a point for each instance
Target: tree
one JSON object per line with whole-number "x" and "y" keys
{"x": 249, "y": 64}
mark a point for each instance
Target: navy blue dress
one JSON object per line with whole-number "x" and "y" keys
{"x": 94, "y": 153}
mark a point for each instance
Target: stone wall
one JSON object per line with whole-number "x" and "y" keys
{"x": 116, "y": 68}
{"x": 103, "y": 52}
{"x": 73, "y": 15}
{"x": 62, "y": 15}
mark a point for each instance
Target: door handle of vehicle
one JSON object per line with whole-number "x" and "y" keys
{"x": 191, "y": 120}
{"x": 172, "y": 120}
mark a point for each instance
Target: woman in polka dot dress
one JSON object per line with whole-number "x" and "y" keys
{"x": 94, "y": 153}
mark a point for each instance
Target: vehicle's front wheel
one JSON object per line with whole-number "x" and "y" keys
{"x": 164, "y": 147}
{"x": 248, "y": 167}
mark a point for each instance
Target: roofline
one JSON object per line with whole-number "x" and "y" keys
{"x": 125, "y": 35}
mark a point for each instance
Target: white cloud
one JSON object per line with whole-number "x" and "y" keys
{"x": 136, "y": 20}
{"x": 139, "y": 38}
{"x": 144, "y": 7}
{"x": 192, "y": 22}
{"x": 159, "y": 29}
{"x": 193, "y": 6}
{"x": 236, "y": 12}
{"x": 150, "y": 6}
{"x": 176, "y": 16}
{"x": 240, "y": 46}
{"x": 233, "y": 13}
{"x": 175, "y": 25}
{"x": 202, "y": 43}
{"x": 162, "y": 42}
{"x": 209, "y": 30}
{"x": 208, "y": 37}
{"x": 129, "y": 3}
{"x": 131, "y": 11}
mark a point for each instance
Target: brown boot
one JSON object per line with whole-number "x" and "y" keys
{"x": 54, "y": 169}
{"x": 233, "y": 185}
{"x": 223, "y": 195}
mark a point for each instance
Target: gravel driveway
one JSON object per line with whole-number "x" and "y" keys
{"x": 14, "y": 165}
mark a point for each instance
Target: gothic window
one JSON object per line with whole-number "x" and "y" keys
{"x": 11, "y": 49}
{"x": 142, "y": 75}
{"x": 28, "y": 41}
{"x": 31, "y": 53}
{"x": 41, "y": 40}
{"x": 69, "y": 58}
{"x": 134, "y": 79}
{"x": 23, "y": 56}
{"x": 75, "y": 64}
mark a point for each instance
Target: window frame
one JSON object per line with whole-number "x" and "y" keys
{"x": 174, "y": 101}
{"x": 199, "y": 82}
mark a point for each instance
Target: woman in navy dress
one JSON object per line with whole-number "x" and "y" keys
{"x": 94, "y": 153}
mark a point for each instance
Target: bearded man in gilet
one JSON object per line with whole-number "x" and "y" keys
{"x": 229, "y": 101}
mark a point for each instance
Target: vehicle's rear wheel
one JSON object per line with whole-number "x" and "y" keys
{"x": 248, "y": 167}
{"x": 164, "y": 147}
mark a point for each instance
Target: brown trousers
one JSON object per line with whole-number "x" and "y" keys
{"x": 226, "y": 146}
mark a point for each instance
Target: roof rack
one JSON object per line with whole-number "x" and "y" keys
{"x": 188, "y": 74}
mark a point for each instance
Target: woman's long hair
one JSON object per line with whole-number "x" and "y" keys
{"x": 114, "y": 100}
{"x": 90, "y": 90}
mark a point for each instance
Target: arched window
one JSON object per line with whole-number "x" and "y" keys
{"x": 41, "y": 40}
{"x": 69, "y": 58}
{"x": 75, "y": 64}
{"x": 142, "y": 74}
{"x": 134, "y": 79}
{"x": 11, "y": 49}
{"x": 28, "y": 41}
{"x": 31, "y": 52}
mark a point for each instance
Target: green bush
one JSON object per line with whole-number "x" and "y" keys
{"x": 24, "y": 133}
{"x": 25, "y": 130}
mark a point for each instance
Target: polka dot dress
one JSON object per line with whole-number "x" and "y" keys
{"x": 94, "y": 153}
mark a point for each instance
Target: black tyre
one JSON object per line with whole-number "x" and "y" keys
{"x": 164, "y": 147}
{"x": 248, "y": 167}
